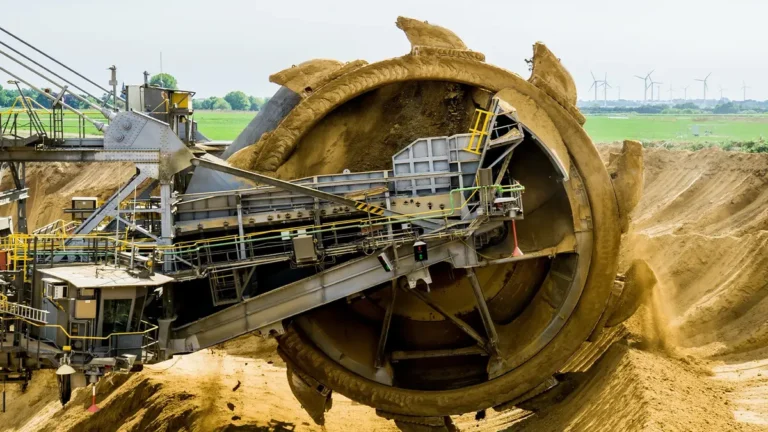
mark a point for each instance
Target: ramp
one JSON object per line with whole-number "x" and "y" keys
{"x": 323, "y": 288}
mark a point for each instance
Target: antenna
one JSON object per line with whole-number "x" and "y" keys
{"x": 706, "y": 87}
{"x": 162, "y": 84}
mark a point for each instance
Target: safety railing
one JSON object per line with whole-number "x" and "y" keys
{"x": 58, "y": 124}
{"x": 147, "y": 331}
{"x": 201, "y": 254}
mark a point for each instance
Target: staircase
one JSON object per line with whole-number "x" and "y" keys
{"x": 110, "y": 206}
{"x": 22, "y": 311}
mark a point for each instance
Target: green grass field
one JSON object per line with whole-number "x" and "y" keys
{"x": 711, "y": 128}
{"x": 222, "y": 125}
{"x": 716, "y": 129}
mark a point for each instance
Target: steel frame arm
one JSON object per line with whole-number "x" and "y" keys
{"x": 208, "y": 162}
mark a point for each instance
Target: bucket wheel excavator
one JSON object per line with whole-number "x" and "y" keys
{"x": 464, "y": 339}
{"x": 429, "y": 235}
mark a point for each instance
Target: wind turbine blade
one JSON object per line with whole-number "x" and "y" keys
{"x": 593, "y": 76}
{"x": 638, "y": 76}
{"x": 590, "y": 87}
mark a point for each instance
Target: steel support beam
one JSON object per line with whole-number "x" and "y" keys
{"x": 381, "y": 349}
{"x": 10, "y": 196}
{"x": 293, "y": 299}
{"x": 482, "y": 307}
{"x": 208, "y": 162}
{"x": 31, "y": 155}
{"x": 466, "y": 328}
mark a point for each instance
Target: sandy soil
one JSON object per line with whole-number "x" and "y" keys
{"x": 696, "y": 358}
{"x": 52, "y": 186}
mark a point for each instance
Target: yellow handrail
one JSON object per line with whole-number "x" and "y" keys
{"x": 66, "y": 333}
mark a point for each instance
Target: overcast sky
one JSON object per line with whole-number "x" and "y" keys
{"x": 214, "y": 46}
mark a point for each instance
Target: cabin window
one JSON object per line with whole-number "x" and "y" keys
{"x": 116, "y": 316}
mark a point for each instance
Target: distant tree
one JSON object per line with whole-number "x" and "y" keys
{"x": 238, "y": 100}
{"x": 3, "y": 98}
{"x": 38, "y": 97}
{"x": 726, "y": 108}
{"x": 74, "y": 102}
{"x": 687, "y": 105}
{"x": 164, "y": 80}
{"x": 220, "y": 104}
{"x": 203, "y": 104}
{"x": 256, "y": 103}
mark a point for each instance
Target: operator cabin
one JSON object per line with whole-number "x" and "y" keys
{"x": 96, "y": 301}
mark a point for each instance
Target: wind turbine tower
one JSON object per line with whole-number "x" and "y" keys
{"x": 646, "y": 85}
{"x": 658, "y": 89}
{"x": 671, "y": 92}
{"x": 706, "y": 87}
{"x": 744, "y": 89}
{"x": 685, "y": 92}
{"x": 595, "y": 84}
{"x": 606, "y": 86}
{"x": 721, "y": 92}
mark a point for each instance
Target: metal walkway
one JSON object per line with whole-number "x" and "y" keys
{"x": 269, "y": 309}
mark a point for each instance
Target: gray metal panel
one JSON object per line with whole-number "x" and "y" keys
{"x": 433, "y": 155}
{"x": 271, "y": 114}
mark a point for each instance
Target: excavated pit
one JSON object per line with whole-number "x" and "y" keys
{"x": 673, "y": 373}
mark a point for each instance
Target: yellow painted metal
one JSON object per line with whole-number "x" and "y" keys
{"x": 479, "y": 130}
{"x": 21, "y": 109}
{"x": 181, "y": 100}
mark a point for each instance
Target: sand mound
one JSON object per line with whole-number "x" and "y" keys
{"x": 634, "y": 390}
{"x": 25, "y": 411}
{"x": 52, "y": 186}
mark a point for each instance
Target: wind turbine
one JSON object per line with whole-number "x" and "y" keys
{"x": 744, "y": 89}
{"x": 671, "y": 92}
{"x": 721, "y": 92}
{"x": 595, "y": 83}
{"x": 685, "y": 89}
{"x": 619, "y": 90}
{"x": 646, "y": 85}
{"x": 706, "y": 87}
{"x": 658, "y": 89}
{"x": 606, "y": 86}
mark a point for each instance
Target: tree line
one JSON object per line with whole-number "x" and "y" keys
{"x": 234, "y": 100}
{"x": 748, "y": 107}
